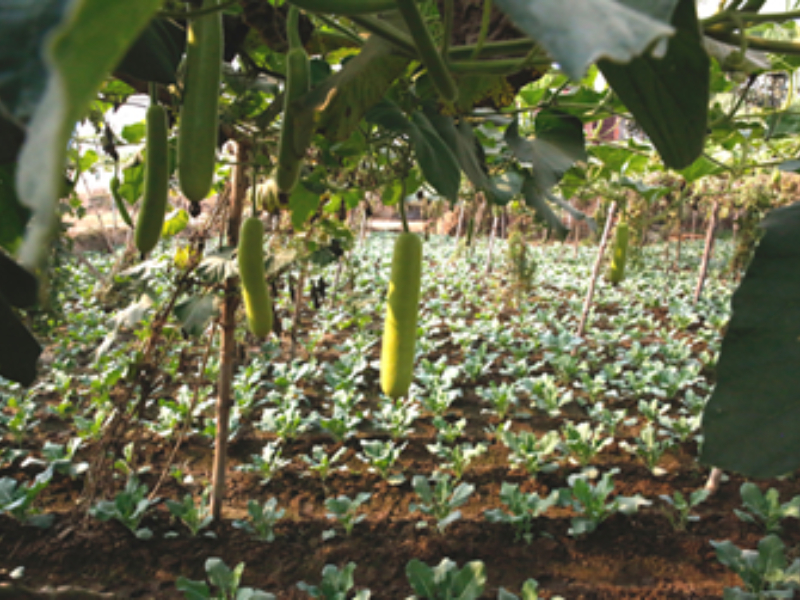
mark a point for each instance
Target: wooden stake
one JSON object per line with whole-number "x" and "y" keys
{"x": 587, "y": 303}
{"x": 460, "y": 222}
{"x": 298, "y": 304}
{"x": 228, "y": 343}
{"x": 492, "y": 235}
{"x": 712, "y": 226}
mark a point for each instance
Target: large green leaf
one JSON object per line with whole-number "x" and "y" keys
{"x": 303, "y": 203}
{"x": 23, "y": 75}
{"x": 13, "y": 216}
{"x": 436, "y": 159}
{"x": 12, "y": 135}
{"x": 361, "y": 83}
{"x": 751, "y": 425}
{"x": 18, "y": 286}
{"x": 156, "y": 53}
{"x": 194, "y": 313}
{"x": 19, "y": 350}
{"x": 558, "y": 144}
{"x": 80, "y": 53}
{"x": 669, "y": 96}
{"x": 576, "y": 33}
{"x": 544, "y": 212}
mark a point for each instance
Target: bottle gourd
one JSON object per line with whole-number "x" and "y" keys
{"x": 298, "y": 124}
{"x": 257, "y": 300}
{"x": 156, "y": 181}
{"x": 197, "y": 136}
{"x": 617, "y": 271}
{"x": 402, "y": 306}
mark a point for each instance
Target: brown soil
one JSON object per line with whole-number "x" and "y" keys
{"x": 627, "y": 557}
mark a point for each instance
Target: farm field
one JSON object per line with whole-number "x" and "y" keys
{"x": 543, "y": 455}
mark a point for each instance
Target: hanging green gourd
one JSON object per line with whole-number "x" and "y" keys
{"x": 617, "y": 271}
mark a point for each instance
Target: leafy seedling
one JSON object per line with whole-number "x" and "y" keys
{"x": 345, "y": 510}
{"x": 440, "y": 501}
{"x": 129, "y": 508}
{"x": 261, "y": 519}
{"x": 335, "y": 584}
{"x": 226, "y": 582}
{"x": 766, "y": 509}
{"x": 446, "y": 581}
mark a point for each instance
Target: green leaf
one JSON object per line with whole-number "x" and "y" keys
{"x": 700, "y": 168}
{"x": 669, "y": 96}
{"x": 218, "y": 573}
{"x": 194, "y": 313}
{"x": 132, "y": 186}
{"x": 19, "y": 350}
{"x": 156, "y": 53}
{"x": 174, "y": 223}
{"x": 135, "y": 132}
{"x": 420, "y": 576}
{"x": 23, "y": 74}
{"x": 13, "y": 216}
{"x": 361, "y": 83}
{"x": 576, "y": 33}
{"x": 194, "y": 590}
{"x": 544, "y": 212}
{"x": 12, "y": 135}
{"x": 559, "y": 144}
{"x": 435, "y": 158}
{"x": 750, "y": 422}
{"x": 17, "y": 285}
{"x": 468, "y": 584}
{"x": 392, "y": 193}
{"x": 303, "y": 203}
{"x": 79, "y": 53}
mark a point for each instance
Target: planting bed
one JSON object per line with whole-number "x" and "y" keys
{"x": 496, "y": 353}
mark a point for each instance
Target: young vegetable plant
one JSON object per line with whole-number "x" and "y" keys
{"x": 441, "y": 501}
{"x": 457, "y": 457}
{"x": 764, "y": 572}
{"x": 323, "y": 463}
{"x": 345, "y": 511}
{"x": 583, "y": 442}
{"x": 17, "y": 500}
{"x": 766, "y": 509}
{"x": 590, "y": 502}
{"x": 529, "y": 591}
{"x": 650, "y": 448}
{"x": 396, "y": 417}
{"x": 335, "y": 584}
{"x": 226, "y": 582}
{"x": 261, "y": 520}
{"x": 678, "y": 508}
{"x": 446, "y": 581}
{"x": 530, "y": 452}
{"x": 522, "y": 509}
{"x": 194, "y": 516}
{"x": 268, "y": 464}
{"x": 501, "y": 397}
{"x": 58, "y": 458}
{"x": 381, "y": 455}
{"x": 129, "y": 508}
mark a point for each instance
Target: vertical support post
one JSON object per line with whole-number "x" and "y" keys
{"x": 712, "y": 227}
{"x": 587, "y": 303}
{"x": 228, "y": 331}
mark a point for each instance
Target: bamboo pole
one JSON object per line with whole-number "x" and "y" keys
{"x": 587, "y": 303}
{"x": 228, "y": 343}
{"x": 712, "y": 226}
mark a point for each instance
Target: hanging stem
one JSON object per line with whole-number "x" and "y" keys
{"x": 486, "y": 20}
